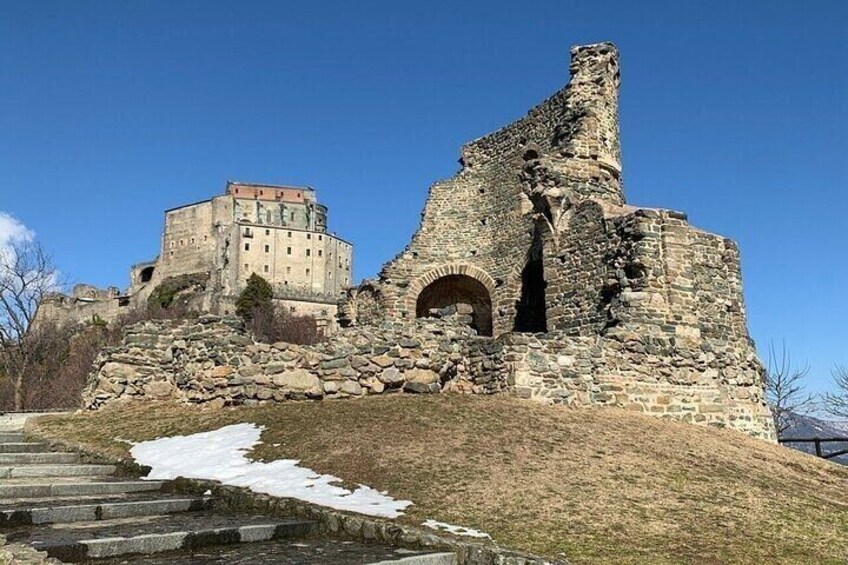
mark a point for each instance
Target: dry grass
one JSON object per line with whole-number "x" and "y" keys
{"x": 593, "y": 485}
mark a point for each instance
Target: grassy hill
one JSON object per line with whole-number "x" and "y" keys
{"x": 591, "y": 485}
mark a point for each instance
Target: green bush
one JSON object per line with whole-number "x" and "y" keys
{"x": 257, "y": 295}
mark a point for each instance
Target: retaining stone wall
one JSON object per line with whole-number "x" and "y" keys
{"x": 214, "y": 360}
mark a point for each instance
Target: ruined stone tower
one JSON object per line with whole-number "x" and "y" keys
{"x": 627, "y": 305}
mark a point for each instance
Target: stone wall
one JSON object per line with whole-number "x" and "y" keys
{"x": 710, "y": 382}
{"x": 213, "y": 360}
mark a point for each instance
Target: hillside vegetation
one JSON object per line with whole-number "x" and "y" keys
{"x": 590, "y": 485}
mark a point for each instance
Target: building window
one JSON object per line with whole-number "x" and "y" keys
{"x": 266, "y": 268}
{"x": 308, "y": 252}
{"x": 320, "y": 238}
{"x": 246, "y": 266}
{"x": 247, "y": 247}
{"x": 307, "y": 272}
{"x": 182, "y": 242}
{"x": 267, "y": 248}
{"x": 309, "y": 236}
{"x": 267, "y": 232}
{"x": 288, "y": 270}
{"x": 291, "y": 309}
{"x": 320, "y": 252}
{"x": 205, "y": 237}
{"x": 192, "y": 241}
{"x": 289, "y": 234}
{"x": 288, "y": 250}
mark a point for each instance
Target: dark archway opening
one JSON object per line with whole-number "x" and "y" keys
{"x": 457, "y": 295}
{"x": 146, "y": 274}
{"x": 531, "y": 315}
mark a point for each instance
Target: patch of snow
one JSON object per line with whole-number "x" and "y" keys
{"x": 457, "y": 530}
{"x": 220, "y": 456}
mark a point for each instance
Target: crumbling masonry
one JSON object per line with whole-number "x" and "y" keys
{"x": 626, "y": 305}
{"x": 588, "y": 301}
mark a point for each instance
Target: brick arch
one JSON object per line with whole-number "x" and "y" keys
{"x": 419, "y": 284}
{"x": 440, "y": 286}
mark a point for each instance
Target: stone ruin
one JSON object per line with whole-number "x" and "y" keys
{"x": 581, "y": 298}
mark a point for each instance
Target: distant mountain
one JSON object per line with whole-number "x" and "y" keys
{"x": 810, "y": 427}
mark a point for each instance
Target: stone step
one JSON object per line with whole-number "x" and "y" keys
{"x": 22, "y": 447}
{"x": 307, "y": 551}
{"x": 48, "y": 458}
{"x": 49, "y": 512}
{"x": 110, "y": 538}
{"x": 81, "y": 487}
{"x": 11, "y": 437}
{"x": 32, "y": 471}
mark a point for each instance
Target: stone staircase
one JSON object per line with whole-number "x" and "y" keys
{"x": 78, "y": 512}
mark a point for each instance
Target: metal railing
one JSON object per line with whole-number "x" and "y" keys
{"x": 818, "y": 441}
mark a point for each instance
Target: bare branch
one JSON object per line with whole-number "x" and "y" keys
{"x": 785, "y": 389}
{"x": 26, "y": 275}
{"x": 836, "y": 401}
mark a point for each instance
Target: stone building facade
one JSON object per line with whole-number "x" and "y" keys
{"x": 534, "y": 236}
{"x": 278, "y": 232}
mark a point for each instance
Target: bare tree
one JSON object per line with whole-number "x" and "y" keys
{"x": 27, "y": 274}
{"x": 785, "y": 390}
{"x": 836, "y": 402}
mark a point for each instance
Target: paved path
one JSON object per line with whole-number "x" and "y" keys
{"x": 80, "y": 513}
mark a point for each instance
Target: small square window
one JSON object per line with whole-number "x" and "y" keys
{"x": 288, "y": 270}
{"x": 247, "y": 247}
{"x": 288, "y": 250}
{"x": 307, "y": 272}
{"x": 320, "y": 252}
{"x": 308, "y": 252}
{"x": 246, "y": 267}
{"x": 309, "y": 236}
{"x": 289, "y": 234}
{"x": 291, "y": 309}
{"x": 267, "y": 232}
{"x": 320, "y": 238}
{"x": 267, "y": 248}
{"x": 266, "y": 268}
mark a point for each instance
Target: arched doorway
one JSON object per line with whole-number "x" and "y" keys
{"x": 450, "y": 292}
{"x": 146, "y": 274}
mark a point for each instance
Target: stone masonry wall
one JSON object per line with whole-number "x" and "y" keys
{"x": 482, "y": 217}
{"x": 711, "y": 382}
{"x": 213, "y": 360}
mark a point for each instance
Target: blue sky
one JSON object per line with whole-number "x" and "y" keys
{"x": 735, "y": 112}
